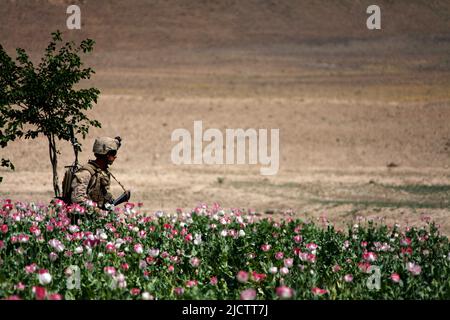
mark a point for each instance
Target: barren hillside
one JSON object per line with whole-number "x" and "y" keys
{"x": 363, "y": 115}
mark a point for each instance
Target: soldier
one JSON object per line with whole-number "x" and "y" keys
{"x": 92, "y": 181}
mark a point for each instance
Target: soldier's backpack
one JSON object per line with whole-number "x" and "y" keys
{"x": 67, "y": 183}
{"x": 68, "y": 178}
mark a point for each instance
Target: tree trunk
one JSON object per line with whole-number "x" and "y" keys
{"x": 54, "y": 161}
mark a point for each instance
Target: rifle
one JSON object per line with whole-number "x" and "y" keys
{"x": 125, "y": 196}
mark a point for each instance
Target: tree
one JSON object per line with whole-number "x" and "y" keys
{"x": 9, "y": 128}
{"x": 43, "y": 98}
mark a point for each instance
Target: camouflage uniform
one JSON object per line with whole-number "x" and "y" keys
{"x": 90, "y": 181}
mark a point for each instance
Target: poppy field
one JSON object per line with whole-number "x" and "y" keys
{"x": 60, "y": 251}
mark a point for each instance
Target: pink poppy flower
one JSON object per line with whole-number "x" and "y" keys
{"x": 364, "y": 266}
{"x": 110, "y": 247}
{"x": 284, "y": 271}
{"x": 213, "y": 281}
{"x": 35, "y": 231}
{"x": 242, "y": 276}
{"x": 195, "y": 262}
{"x": 146, "y": 274}
{"x": 309, "y": 257}
{"x": 318, "y": 291}
{"x": 348, "y": 278}
{"x": 31, "y": 268}
{"x": 258, "y": 277}
{"x": 406, "y": 251}
{"x": 20, "y": 286}
{"x": 370, "y": 256}
{"x": 273, "y": 270}
{"x": 53, "y": 256}
{"x": 178, "y": 291}
{"x": 395, "y": 277}
{"x": 39, "y": 293}
{"x": 57, "y": 245}
{"x": 279, "y": 255}
{"x": 191, "y": 283}
{"x": 111, "y": 271}
{"x": 55, "y": 296}
{"x": 135, "y": 291}
{"x": 284, "y": 292}
{"x": 7, "y": 206}
{"x": 248, "y": 294}
{"x": 138, "y": 248}
{"x": 405, "y": 242}
{"x": 74, "y": 229}
{"x": 312, "y": 246}
{"x": 89, "y": 266}
{"x": 415, "y": 269}
{"x": 23, "y": 238}
{"x": 68, "y": 253}
{"x": 59, "y": 203}
{"x": 175, "y": 259}
{"x": 336, "y": 268}
{"x": 153, "y": 252}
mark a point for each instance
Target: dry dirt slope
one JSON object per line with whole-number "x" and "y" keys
{"x": 348, "y": 101}
{"x": 223, "y": 48}
{"x": 140, "y": 25}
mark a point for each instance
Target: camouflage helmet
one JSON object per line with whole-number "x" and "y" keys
{"x": 103, "y": 145}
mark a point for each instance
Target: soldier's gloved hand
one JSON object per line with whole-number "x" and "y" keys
{"x": 109, "y": 205}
